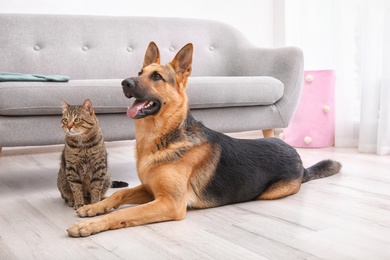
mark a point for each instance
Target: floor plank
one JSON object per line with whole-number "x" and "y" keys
{"x": 346, "y": 216}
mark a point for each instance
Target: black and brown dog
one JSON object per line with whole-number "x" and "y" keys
{"x": 183, "y": 164}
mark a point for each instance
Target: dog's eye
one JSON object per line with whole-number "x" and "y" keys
{"x": 156, "y": 76}
{"x": 139, "y": 73}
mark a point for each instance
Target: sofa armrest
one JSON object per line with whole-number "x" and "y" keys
{"x": 284, "y": 64}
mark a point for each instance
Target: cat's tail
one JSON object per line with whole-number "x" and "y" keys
{"x": 119, "y": 184}
{"x": 321, "y": 169}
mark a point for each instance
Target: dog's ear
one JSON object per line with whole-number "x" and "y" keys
{"x": 152, "y": 54}
{"x": 182, "y": 63}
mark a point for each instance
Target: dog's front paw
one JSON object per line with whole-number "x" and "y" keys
{"x": 87, "y": 211}
{"x": 77, "y": 206}
{"x": 86, "y": 228}
{"x": 92, "y": 210}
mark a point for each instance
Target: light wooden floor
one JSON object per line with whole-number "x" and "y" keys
{"x": 346, "y": 216}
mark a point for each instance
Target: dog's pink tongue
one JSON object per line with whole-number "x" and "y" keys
{"x": 135, "y": 108}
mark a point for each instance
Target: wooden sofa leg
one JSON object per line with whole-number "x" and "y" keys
{"x": 268, "y": 133}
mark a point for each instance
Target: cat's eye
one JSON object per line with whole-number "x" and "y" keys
{"x": 76, "y": 120}
{"x": 64, "y": 120}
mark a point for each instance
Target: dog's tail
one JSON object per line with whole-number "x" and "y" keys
{"x": 321, "y": 169}
{"x": 119, "y": 184}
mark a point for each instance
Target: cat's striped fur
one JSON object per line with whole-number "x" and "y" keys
{"x": 83, "y": 177}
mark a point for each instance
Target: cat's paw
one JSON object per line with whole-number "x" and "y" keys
{"x": 86, "y": 228}
{"x": 70, "y": 203}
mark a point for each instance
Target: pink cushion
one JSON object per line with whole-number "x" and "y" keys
{"x": 313, "y": 122}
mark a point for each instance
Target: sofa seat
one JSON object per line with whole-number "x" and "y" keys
{"x": 44, "y": 98}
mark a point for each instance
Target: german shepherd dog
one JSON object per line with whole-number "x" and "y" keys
{"x": 183, "y": 164}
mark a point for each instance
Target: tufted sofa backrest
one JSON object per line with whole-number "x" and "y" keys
{"x": 105, "y": 47}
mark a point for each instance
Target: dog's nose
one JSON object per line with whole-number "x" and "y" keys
{"x": 128, "y": 83}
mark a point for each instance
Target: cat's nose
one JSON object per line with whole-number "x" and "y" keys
{"x": 69, "y": 126}
{"x": 128, "y": 83}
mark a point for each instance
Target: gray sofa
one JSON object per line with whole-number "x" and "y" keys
{"x": 235, "y": 86}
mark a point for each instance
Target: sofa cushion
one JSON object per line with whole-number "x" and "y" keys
{"x": 206, "y": 92}
{"x": 44, "y": 98}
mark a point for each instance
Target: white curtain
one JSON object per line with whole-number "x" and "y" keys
{"x": 353, "y": 38}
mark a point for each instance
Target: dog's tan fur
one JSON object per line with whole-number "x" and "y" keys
{"x": 177, "y": 162}
{"x": 164, "y": 190}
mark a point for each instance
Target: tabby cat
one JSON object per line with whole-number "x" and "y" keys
{"x": 83, "y": 177}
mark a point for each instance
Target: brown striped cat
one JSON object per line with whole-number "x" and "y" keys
{"x": 83, "y": 177}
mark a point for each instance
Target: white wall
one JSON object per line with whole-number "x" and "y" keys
{"x": 254, "y": 18}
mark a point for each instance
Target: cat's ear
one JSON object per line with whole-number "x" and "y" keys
{"x": 65, "y": 106}
{"x": 87, "y": 106}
